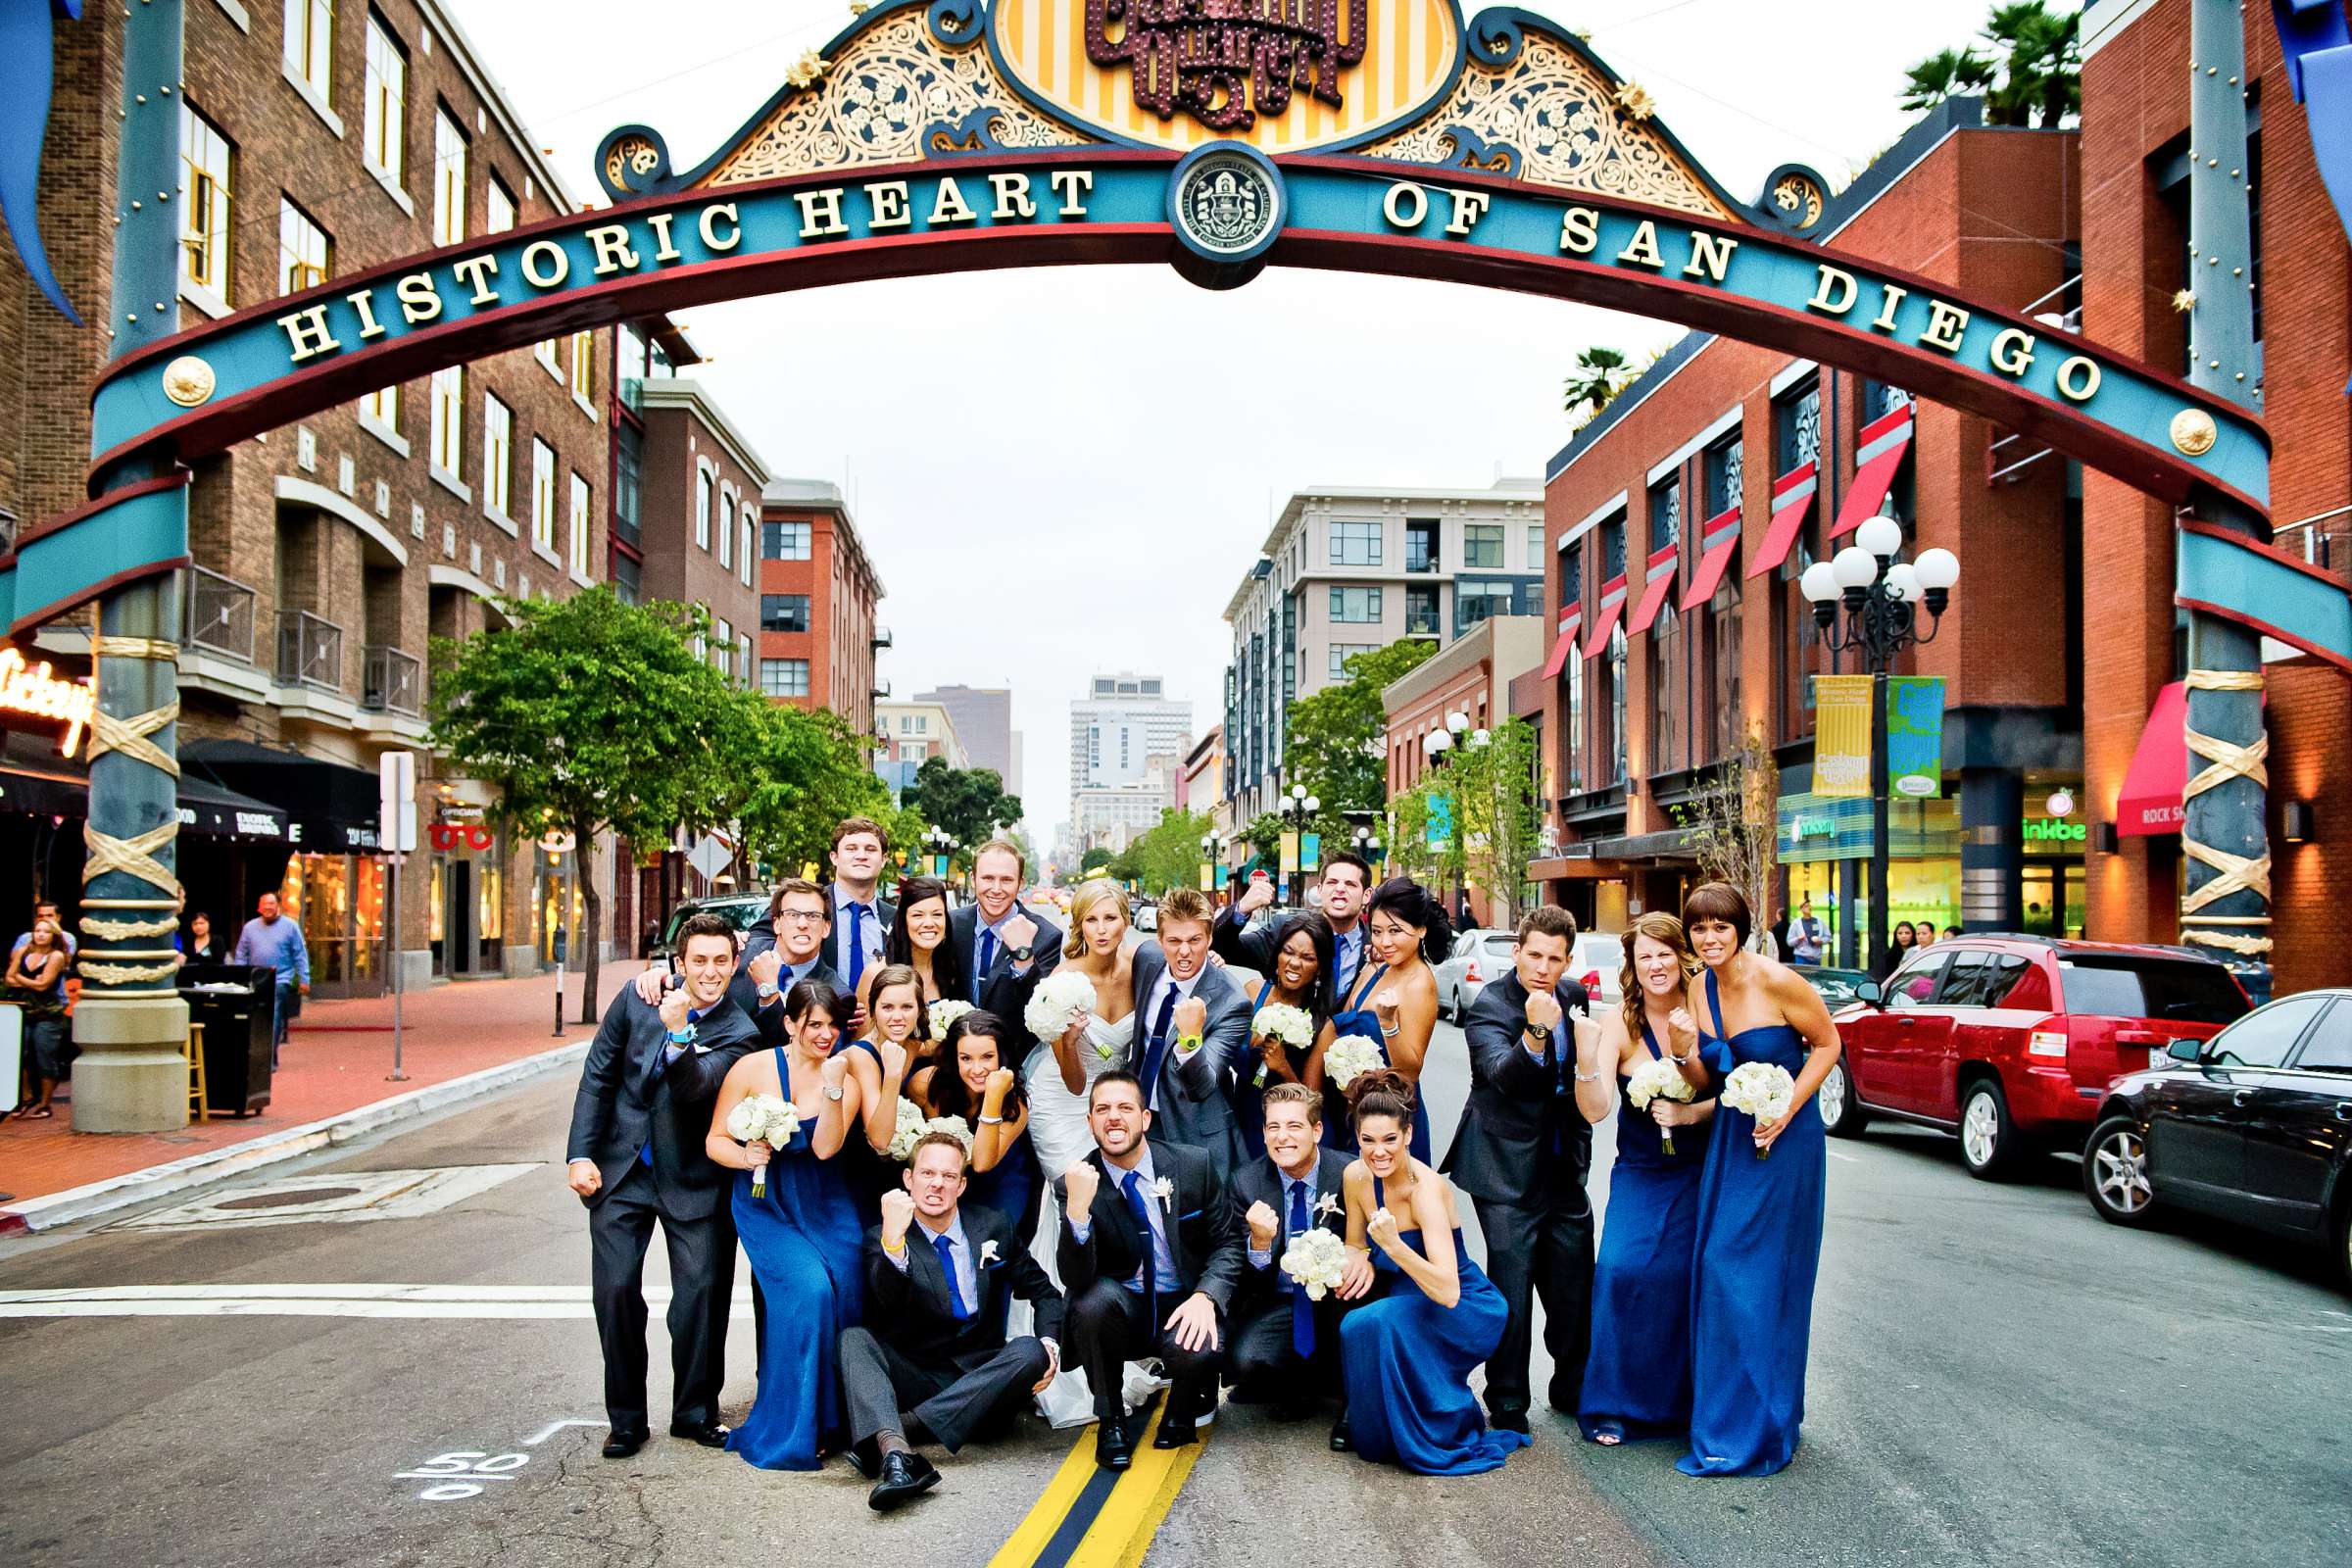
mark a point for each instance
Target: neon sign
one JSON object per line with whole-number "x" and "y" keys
{"x": 32, "y": 688}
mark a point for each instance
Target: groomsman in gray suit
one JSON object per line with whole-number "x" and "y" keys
{"x": 1007, "y": 947}
{"x": 1192, "y": 1034}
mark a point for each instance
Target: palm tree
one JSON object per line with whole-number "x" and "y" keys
{"x": 2032, "y": 75}
{"x": 1600, "y": 374}
{"x": 1946, "y": 73}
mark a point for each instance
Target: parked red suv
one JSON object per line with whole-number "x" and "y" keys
{"x": 2010, "y": 1041}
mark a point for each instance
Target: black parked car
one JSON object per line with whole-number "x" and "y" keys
{"x": 2253, "y": 1125}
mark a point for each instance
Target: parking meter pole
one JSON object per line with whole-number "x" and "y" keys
{"x": 392, "y": 924}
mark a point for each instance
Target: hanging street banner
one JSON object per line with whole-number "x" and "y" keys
{"x": 1841, "y": 736}
{"x": 1915, "y": 735}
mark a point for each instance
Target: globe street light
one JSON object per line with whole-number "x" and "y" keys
{"x": 1867, "y": 602}
{"x": 1298, "y": 810}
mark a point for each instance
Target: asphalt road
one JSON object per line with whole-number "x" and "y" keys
{"x": 1997, "y": 1378}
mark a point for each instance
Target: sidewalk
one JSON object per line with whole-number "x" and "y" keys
{"x": 334, "y": 1064}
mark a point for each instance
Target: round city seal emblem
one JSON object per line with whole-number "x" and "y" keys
{"x": 1227, "y": 203}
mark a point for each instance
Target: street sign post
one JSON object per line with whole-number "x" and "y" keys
{"x": 396, "y": 831}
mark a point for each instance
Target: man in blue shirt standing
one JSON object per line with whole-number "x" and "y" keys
{"x": 274, "y": 941}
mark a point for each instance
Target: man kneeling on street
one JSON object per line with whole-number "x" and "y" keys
{"x": 938, "y": 1279}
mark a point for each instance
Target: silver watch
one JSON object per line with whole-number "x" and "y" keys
{"x": 833, "y": 1091}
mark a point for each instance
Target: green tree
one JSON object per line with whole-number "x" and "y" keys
{"x": 800, "y": 772}
{"x": 969, "y": 801}
{"x": 2029, "y": 73}
{"x": 1094, "y": 862}
{"x": 1946, "y": 73}
{"x": 1168, "y": 856}
{"x": 1495, "y": 795}
{"x": 1600, "y": 374}
{"x": 1336, "y": 742}
{"x": 590, "y": 716}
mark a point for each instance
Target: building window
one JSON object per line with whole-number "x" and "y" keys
{"x": 628, "y": 581}
{"x": 784, "y": 541}
{"x": 543, "y": 495}
{"x": 1796, "y": 429}
{"x": 1421, "y": 544}
{"x": 206, "y": 176}
{"x": 449, "y": 419}
{"x": 1356, "y": 607}
{"x": 304, "y": 254}
{"x": 1616, "y": 680}
{"x": 628, "y": 481}
{"x": 384, "y": 408}
{"x": 1665, "y": 516}
{"x": 722, "y": 653}
{"x": 311, "y": 43}
{"x": 583, "y": 366}
{"x": 385, "y": 120}
{"x": 1572, "y": 579}
{"x": 1574, "y": 739}
{"x": 726, "y": 530}
{"x": 1421, "y": 611}
{"x": 1612, "y": 548}
{"x": 1725, "y": 461}
{"x": 1355, "y": 544}
{"x": 784, "y": 677}
{"x": 1474, "y": 602}
{"x": 545, "y": 353}
{"x": 498, "y": 204}
{"x": 783, "y": 611}
{"x": 1723, "y": 617}
{"x": 449, "y": 179}
{"x": 497, "y": 453}
{"x": 579, "y": 528}
{"x": 1482, "y": 546}
{"x": 744, "y": 558}
{"x": 1666, "y": 705}
{"x": 1535, "y": 547}
{"x": 1341, "y": 653}
{"x": 706, "y": 489}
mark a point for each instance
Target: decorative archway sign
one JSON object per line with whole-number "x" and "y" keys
{"x": 1219, "y": 136}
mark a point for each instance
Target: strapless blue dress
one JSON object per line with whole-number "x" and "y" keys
{"x": 1408, "y": 1363}
{"x": 1358, "y": 1018}
{"x": 1752, "y": 1290}
{"x": 1249, "y": 1095}
{"x": 1637, "y": 1377}
{"x": 865, "y": 1175}
{"x": 803, "y": 1240}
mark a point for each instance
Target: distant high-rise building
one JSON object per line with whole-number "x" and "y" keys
{"x": 983, "y": 717}
{"x": 1122, "y": 722}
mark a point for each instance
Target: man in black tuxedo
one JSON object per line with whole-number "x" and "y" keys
{"x": 1286, "y": 1347}
{"x": 636, "y": 1156}
{"x": 861, "y": 917}
{"x": 1192, "y": 1033}
{"x": 1005, "y": 946}
{"x": 938, "y": 1279}
{"x": 1149, "y": 1268}
{"x": 772, "y": 963}
{"x": 1346, "y": 881}
{"x": 1523, "y": 1152}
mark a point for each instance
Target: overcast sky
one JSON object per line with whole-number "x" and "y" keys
{"x": 1041, "y": 500}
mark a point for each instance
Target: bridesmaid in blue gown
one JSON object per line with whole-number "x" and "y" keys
{"x": 802, "y": 1237}
{"x": 1408, "y": 1353}
{"x": 1759, "y": 1219}
{"x": 1637, "y": 1376}
{"x": 974, "y": 1082}
{"x": 1305, "y": 958}
{"x": 1396, "y": 1005}
{"x": 897, "y": 1021}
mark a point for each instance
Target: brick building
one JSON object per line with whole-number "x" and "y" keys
{"x": 817, "y": 595}
{"x": 317, "y": 140}
{"x": 1683, "y": 515}
{"x": 699, "y": 512}
{"x": 2134, "y": 256}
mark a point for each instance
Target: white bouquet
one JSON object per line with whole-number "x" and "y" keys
{"x": 1315, "y": 1259}
{"x": 1294, "y": 1027}
{"x": 764, "y": 1119}
{"x": 1655, "y": 1077}
{"x": 955, "y": 1127}
{"x": 1350, "y": 1057}
{"x": 944, "y": 1014}
{"x": 911, "y": 1126}
{"x": 1058, "y": 997}
{"x": 1762, "y": 1090}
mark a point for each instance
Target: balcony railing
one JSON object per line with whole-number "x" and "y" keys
{"x": 219, "y": 615}
{"x": 881, "y": 691}
{"x": 391, "y": 681}
{"x": 310, "y": 651}
{"x": 881, "y": 638}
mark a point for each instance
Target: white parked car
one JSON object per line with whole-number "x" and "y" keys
{"x": 1594, "y": 961}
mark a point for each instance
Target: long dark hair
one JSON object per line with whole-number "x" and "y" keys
{"x": 946, "y": 960}
{"x": 1379, "y": 1092}
{"x": 949, "y": 1095}
{"x": 1323, "y": 999}
{"x": 1408, "y": 901}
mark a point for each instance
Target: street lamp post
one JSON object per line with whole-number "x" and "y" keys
{"x": 943, "y": 846}
{"x": 1880, "y": 600}
{"x": 1367, "y": 846}
{"x": 1442, "y": 743}
{"x": 1213, "y": 856}
{"x": 1298, "y": 810}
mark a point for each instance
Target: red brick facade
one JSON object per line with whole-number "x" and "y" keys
{"x": 810, "y": 547}
{"x": 700, "y": 515}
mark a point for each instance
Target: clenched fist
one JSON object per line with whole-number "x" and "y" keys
{"x": 584, "y": 1178}
{"x": 1191, "y": 1019}
{"x": 1264, "y": 1225}
{"x": 1000, "y": 1084}
{"x": 894, "y": 1060}
{"x": 1079, "y": 1186}
{"x": 836, "y": 1070}
{"x": 898, "y": 1212}
{"x": 1682, "y": 1031}
{"x": 1020, "y": 931}
{"x": 764, "y": 967}
{"x": 1256, "y": 897}
{"x": 1542, "y": 1011}
{"x": 675, "y": 1008}
{"x": 1382, "y": 1229}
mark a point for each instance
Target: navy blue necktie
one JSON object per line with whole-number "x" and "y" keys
{"x": 1155, "y": 1053}
{"x": 856, "y": 964}
{"x": 1132, "y": 1187}
{"x": 944, "y": 1245}
{"x": 1302, "y": 1311}
{"x": 988, "y": 960}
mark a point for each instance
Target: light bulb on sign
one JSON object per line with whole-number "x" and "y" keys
{"x": 2060, "y": 803}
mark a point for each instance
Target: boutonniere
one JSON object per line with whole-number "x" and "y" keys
{"x": 987, "y": 1254}
{"x": 1325, "y": 1207}
{"x": 1166, "y": 1190}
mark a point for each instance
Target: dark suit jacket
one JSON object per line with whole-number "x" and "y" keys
{"x": 1192, "y": 1102}
{"x": 1260, "y": 1181}
{"x": 627, "y": 1099}
{"x": 839, "y": 933}
{"x": 1236, "y": 941}
{"x": 769, "y": 1021}
{"x": 908, "y": 1310}
{"x": 1518, "y": 1107}
{"x": 1001, "y": 992}
{"x": 1206, "y": 1240}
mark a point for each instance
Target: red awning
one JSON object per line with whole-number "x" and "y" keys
{"x": 1719, "y": 541}
{"x": 1612, "y": 606}
{"x": 2150, "y": 803}
{"x": 1879, "y": 450}
{"x": 1561, "y": 647}
{"x": 1653, "y": 593}
{"x": 1791, "y": 502}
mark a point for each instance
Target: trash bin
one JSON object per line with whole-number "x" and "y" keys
{"x": 236, "y": 1004}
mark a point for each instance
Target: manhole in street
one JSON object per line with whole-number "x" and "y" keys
{"x": 307, "y": 1194}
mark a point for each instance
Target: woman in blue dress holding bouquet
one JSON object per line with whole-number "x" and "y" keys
{"x": 1301, "y": 978}
{"x": 1395, "y": 1004}
{"x": 1760, "y": 1198}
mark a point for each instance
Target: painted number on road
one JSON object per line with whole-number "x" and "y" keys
{"x": 462, "y": 1474}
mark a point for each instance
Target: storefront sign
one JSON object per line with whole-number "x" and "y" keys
{"x": 1841, "y": 736}
{"x": 2053, "y": 830}
{"x": 32, "y": 688}
{"x": 1915, "y": 735}
{"x": 450, "y": 835}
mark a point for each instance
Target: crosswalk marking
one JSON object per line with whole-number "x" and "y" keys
{"x": 360, "y": 1301}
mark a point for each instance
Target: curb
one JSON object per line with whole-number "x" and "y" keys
{"x": 214, "y": 1164}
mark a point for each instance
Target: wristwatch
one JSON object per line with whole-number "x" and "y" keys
{"x": 833, "y": 1091}
{"x": 767, "y": 991}
{"x": 1020, "y": 955}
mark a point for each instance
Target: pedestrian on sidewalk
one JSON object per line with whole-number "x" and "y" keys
{"x": 1806, "y": 934}
{"x": 35, "y": 982}
{"x": 270, "y": 940}
{"x": 202, "y": 946}
{"x": 46, "y": 909}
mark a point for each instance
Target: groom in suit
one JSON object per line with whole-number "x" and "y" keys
{"x": 1007, "y": 947}
{"x": 1286, "y": 1347}
{"x": 635, "y": 1155}
{"x": 938, "y": 1279}
{"x": 1151, "y": 1251}
{"x": 1522, "y": 1154}
{"x": 861, "y": 917}
{"x": 1192, "y": 1033}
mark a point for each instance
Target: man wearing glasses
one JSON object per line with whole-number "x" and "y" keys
{"x": 802, "y": 918}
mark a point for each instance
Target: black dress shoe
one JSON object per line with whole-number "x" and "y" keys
{"x": 864, "y": 1459}
{"x": 1508, "y": 1421}
{"x": 1178, "y": 1425}
{"x": 1112, "y": 1448}
{"x": 906, "y": 1476}
{"x": 621, "y": 1445}
{"x": 1343, "y": 1435}
{"x": 711, "y": 1436}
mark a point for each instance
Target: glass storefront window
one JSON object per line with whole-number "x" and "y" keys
{"x": 436, "y": 918}
{"x": 491, "y": 910}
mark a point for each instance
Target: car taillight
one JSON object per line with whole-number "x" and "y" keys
{"x": 2046, "y": 1043}
{"x": 1592, "y": 985}
{"x": 1472, "y": 975}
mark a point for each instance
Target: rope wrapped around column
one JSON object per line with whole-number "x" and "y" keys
{"x": 124, "y": 930}
{"x": 134, "y": 856}
{"x": 2236, "y": 873}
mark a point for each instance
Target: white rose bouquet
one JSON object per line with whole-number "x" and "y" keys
{"x": 1351, "y": 1056}
{"x": 764, "y": 1119}
{"x": 1762, "y": 1090}
{"x": 911, "y": 1126}
{"x": 1654, "y": 1078}
{"x": 943, "y": 1018}
{"x": 1294, "y": 1027}
{"x": 955, "y": 1127}
{"x": 1316, "y": 1259}
{"x": 1059, "y": 995}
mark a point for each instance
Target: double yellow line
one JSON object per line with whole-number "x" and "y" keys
{"x": 1089, "y": 1517}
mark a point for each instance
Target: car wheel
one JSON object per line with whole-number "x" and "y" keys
{"x": 2114, "y": 1173}
{"x": 1988, "y": 1139}
{"x": 1841, "y": 1115}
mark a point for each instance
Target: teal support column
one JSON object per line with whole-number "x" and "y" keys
{"x": 2225, "y": 882}
{"x": 130, "y": 1022}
